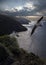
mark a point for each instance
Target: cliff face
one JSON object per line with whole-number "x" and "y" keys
{"x": 9, "y": 24}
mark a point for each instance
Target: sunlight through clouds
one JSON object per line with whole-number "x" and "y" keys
{"x": 30, "y": 6}
{"x": 19, "y": 8}
{"x": 14, "y": 9}
{"x": 24, "y": 7}
{"x": 11, "y": 10}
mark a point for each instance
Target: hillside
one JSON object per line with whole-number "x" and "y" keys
{"x": 8, "y": 24}
{"x": 11, "y": 54}
{"x": 22, "y": 20}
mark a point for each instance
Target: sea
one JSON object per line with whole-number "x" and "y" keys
{"x": 35, "y": 43}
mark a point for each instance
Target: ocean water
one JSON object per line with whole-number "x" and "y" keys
{"x": 35, "y": 43}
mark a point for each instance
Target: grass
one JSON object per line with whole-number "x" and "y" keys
{"x": 21, "y": 56}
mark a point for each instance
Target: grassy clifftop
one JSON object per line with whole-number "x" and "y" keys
{"x": 15, "y": 55}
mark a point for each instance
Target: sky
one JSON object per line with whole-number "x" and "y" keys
{"x": 24, "y": 7}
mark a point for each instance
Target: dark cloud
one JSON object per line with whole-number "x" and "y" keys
{"x": 40, "y": 6}
{"x": 2, "y": 1}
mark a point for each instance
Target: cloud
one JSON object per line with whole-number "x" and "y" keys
{"x": 27, "y": 7}
{"x": 39, "y": 13}
{"x": 24, "y": 7}
{"x": 30, "y": 5}
{"x": 40, "y": 7}
{"x": 1, "y": 1}
{"x": 11, "y": 10}
{"x": 19, "y": 8}
{"x": 15, "y": 9}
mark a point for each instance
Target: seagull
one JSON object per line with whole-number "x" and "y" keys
{"x": 36, "y": 25}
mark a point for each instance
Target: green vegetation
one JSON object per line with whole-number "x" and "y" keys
{"x": 8, "y": 41}
{"x": 20, "y": 56}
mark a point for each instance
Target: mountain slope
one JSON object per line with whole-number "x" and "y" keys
{"x": 9, "y": 24}
{"x": 22, "y": 20}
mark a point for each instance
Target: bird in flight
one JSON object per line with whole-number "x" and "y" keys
{"x": 36, "y": 25}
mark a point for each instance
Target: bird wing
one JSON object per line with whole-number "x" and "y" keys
{"x": 33, "y": 29}
{"x": 35, "y": 26}
{"x": 39, "y": 19}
